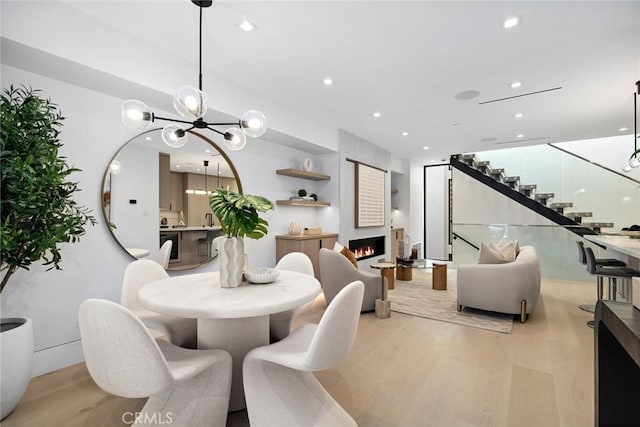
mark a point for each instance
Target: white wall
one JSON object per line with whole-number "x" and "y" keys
{"x": 136, "y": 224}
{"x": 93, "y": 267}
{"x": 612, "y": 152}
{"x": 355, "y": 148}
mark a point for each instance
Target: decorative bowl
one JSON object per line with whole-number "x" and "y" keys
{"x": 261, "y": 275}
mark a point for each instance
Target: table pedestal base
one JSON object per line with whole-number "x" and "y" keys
{"x": 383, "y": 308}
{"x": 238, "y": 337}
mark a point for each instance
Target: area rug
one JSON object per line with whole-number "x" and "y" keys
{"x": 416, "y": 297}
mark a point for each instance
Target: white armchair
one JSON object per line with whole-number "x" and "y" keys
{"x": 336, "y": 271}
{"x": 185, "y": 387}
{"x": 512, "y": 287}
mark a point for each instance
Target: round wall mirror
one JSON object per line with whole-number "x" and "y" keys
{"x": 152, "y": 194}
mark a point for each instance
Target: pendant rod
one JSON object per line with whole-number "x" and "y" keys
{"x": 200, "y": 70}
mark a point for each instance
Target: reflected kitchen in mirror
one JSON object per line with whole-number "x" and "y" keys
{"x": 153, "y": 193}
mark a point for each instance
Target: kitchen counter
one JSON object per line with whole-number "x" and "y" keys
{"x": 201, "y": 228}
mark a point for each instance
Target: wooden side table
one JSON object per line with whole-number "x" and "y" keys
{"x": 439, "y": 277}
{"x": 404, "y": 272}
{"x": 383, "y": 305}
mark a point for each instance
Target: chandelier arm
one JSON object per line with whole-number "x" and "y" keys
{"x": 215, "y": 130}
{"x": 172, "y": 120}
{"x": 225, "y": 124}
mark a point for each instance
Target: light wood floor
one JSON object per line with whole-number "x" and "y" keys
{"x": 408, "y": 371}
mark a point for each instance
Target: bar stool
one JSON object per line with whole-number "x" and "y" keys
{"x": 612, "y": 273}
{"x": 602, "y": 262}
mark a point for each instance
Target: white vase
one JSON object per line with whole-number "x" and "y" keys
{"x": 16, "y": 358}
{"x": 230, "y": 260}
{"x": 294, "y": 228}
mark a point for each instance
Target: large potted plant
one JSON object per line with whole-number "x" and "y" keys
{"x": 37, "y": 214}
{"x": 238, "y": 216}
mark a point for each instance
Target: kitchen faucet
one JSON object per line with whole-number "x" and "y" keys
{"x": 209, "y": 216}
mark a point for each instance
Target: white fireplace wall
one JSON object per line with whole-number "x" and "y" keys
{"x": 355, "y": 148}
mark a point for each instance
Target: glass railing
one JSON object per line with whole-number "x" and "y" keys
{"x": 555, "y": 245}
{"x": 611, "y": 197}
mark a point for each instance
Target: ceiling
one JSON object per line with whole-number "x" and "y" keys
{"x": 407, "y": 60}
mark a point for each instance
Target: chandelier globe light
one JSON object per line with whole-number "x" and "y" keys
{"x": 191, "y": 103}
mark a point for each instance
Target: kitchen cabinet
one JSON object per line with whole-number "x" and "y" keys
{"x": 164, "y": 181}
{"x": 177, "y": 192}
{"x": 197, "y": 205}
{"x": 308, "y": 244}
{"x": 397, "y": 239}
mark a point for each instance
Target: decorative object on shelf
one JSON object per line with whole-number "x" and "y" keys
{"x": 261, "y": 275}
{"x": 294, "y": 228}
{"x": 38, "y": 215}
{"x": 302, "y": 192}
{"x": 312, "y": 230}
{"x": 191, "y": 103}
{"x": 314, "y": 196}
{"x": 307, "y": 164}
{"x": 634, "y": 162}
{"x": 238, "y": 216}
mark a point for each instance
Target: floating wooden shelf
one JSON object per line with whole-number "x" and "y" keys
{"x": 302, "y": 203}
{"x": 297, "y": 173}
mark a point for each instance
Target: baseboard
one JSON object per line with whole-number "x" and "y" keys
{"x": 58, "y": 357}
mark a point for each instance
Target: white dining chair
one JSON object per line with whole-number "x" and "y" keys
{"x": 177, "y": 330}
{"x": 280, "y": 323}
{"x": 165, "y": 254}
{"x": 279, "y": 386}
{"x": 185, "y": 387}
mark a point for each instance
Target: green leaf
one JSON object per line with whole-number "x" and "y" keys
{"x": 238, "y": 213}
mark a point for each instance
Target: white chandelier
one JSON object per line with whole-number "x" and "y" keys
{"x": 191, "y": 103}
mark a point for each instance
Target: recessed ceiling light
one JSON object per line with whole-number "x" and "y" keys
{"x": 376, "y": 114}
{"x": 405, "y": 133}
{"x": 432, "y": 161}
{"x": 425, "y": 148}
{"x": 517, "y": 115}
{"x": 327, "y": 81}
{"x": 516, "y": 85}
{"x": 148, "y": 138}
{"x": 177, "y": 166}
{"x": 207, "y": 151}
{"x": 246, "y": 26}
{"x": 455, "y": 124}
{"x": 622, "y": 129}
{"x": 511, "y": 22}
{"x": 520, "y": 135}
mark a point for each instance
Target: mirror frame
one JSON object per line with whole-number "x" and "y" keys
{"x": 106, "y": 173}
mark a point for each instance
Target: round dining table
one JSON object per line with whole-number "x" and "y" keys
{"x": 231, "y": 319}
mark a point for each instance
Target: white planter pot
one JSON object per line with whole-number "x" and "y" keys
{"x": 16, "y": 361}
{"x": 231, "y": 261}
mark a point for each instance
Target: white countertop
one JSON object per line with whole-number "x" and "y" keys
{"x": 200, "y": 296}
{"x": 173, "y": 230}
{"x": 622, "y": 244}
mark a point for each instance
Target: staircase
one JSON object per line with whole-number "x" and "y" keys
{"x": 527, "y": 194}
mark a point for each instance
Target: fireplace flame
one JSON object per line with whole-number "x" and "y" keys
{"x": 365, "y": 251}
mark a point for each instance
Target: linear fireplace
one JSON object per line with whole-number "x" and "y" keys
{"x": 367, "y": 248}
